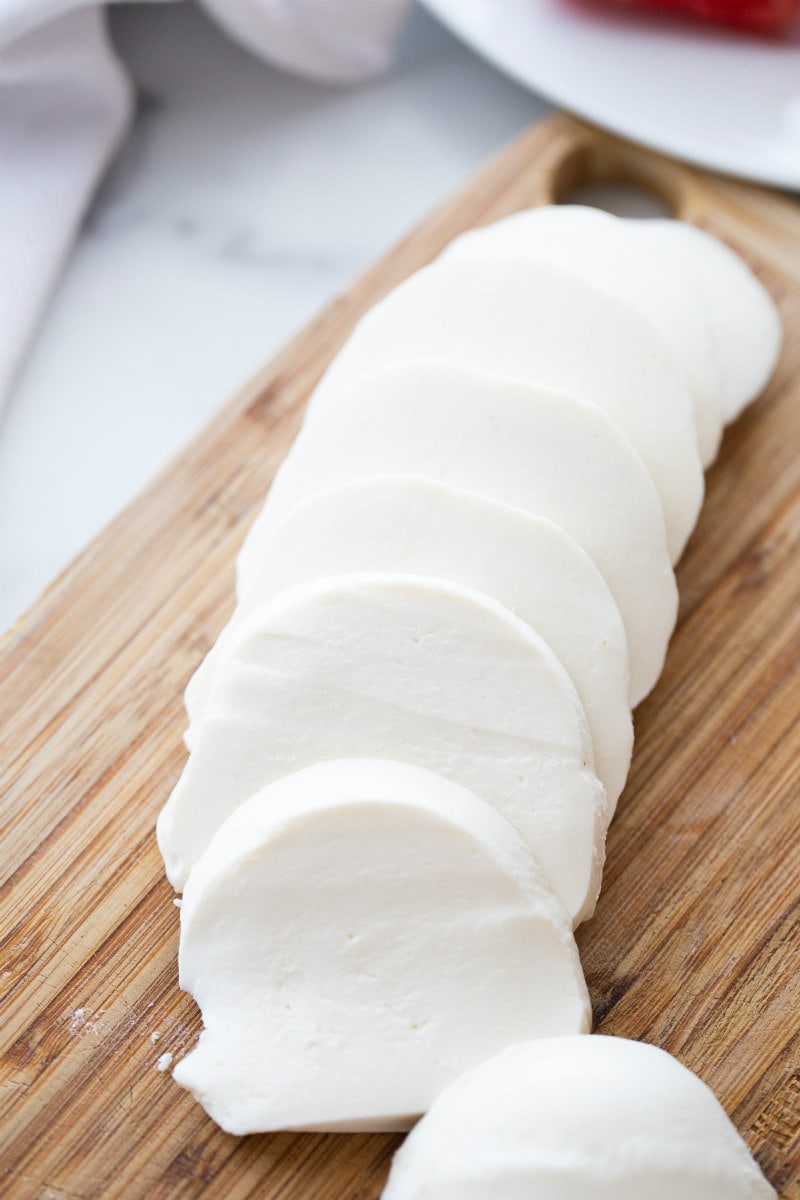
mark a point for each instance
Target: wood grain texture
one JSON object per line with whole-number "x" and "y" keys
{"x": 695, "y": 943}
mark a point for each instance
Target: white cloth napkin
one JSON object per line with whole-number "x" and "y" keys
{"x": 65, "y": 104}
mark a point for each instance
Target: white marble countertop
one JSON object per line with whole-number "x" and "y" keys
{"x": 241, "y": 202}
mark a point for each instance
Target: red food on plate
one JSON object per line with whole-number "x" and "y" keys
{"x": 766, "y": 16}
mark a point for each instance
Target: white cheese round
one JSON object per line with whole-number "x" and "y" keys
{"x": 572, "y": 1118}
{"x": 744, "y": 321}
{"x": 544, "y": 453}
{"x": 538, "y": 324}
{"x": 357, "y": 935}
{"x": 405, "y": 668}
{"x": 599, "y": 248}
{"x": 421, "y": 527}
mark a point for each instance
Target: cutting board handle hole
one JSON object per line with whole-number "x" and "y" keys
{"x": 611, "y": 178}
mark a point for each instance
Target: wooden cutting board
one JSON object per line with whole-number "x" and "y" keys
{"x": 695, "y": 942}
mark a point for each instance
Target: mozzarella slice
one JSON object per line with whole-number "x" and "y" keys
{"x": 357, "y": 935}
{"x": 744, "y": 320}
{"x": 420, "y": 527}
{"x": 599, "y": 249}
{"x": 571, "y": 1118}
{"x": 406, "y": 668}
{"x": 544, "y": 453}
{"x": 543, "y": 326}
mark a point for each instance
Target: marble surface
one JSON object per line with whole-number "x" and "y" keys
{"x": 242, "y": 201}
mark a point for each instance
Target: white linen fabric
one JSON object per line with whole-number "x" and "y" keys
{"x": 66, "y": 102}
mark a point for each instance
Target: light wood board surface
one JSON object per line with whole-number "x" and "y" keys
{"x": 695, "y": 942}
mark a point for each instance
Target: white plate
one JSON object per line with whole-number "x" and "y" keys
{"x": 713, "y": 96}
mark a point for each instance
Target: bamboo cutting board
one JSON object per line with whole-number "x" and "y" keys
{"x": 695, "y": 942}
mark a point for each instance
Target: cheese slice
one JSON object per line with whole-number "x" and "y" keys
{"x": 420, "y": 527}
{"x": 555, "y": 457}
{"x": 598, "y": 248}
{"x": 535, "y": 323}
{"x": 357, "y": 935}
{"x": 571, "y": 1118}
{"x": 407, "y": 668}
{"x": 744, "y": 321}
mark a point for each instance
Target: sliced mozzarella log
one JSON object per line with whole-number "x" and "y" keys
{"x": 406, "y": 668}
{"x": 535, "y": 323}
{"x": 544, "y": 453}
{"x": 598, "y": 248}
{"x": 572, "y": 1118}
{"x": 421, "y": 527}
{"x": 357, "y": 935}
{"x": 744, "y": 320}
